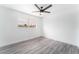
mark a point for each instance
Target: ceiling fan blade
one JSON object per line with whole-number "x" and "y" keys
{"x": 47, "y": 12}
{"x": 47, "y": 7}
{"x": 37, "y": 6}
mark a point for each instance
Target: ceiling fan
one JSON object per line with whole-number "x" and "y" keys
{"x": 42, "y": 9}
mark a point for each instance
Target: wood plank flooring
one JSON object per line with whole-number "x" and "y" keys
{"x": 40, "y": 45}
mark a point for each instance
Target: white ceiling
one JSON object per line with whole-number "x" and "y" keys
{"x": 55, "y": 9}
{"x": 27, "y": 8}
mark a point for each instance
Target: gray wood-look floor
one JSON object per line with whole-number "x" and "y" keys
{"x": 39, "y": 45}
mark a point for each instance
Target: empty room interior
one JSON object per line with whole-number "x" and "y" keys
{"x": 39, "y": 28}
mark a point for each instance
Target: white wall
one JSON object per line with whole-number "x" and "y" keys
{"x": 10, "y": 33}
{"x": 77, "y": 29}
{"x": 62, "y": 24}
